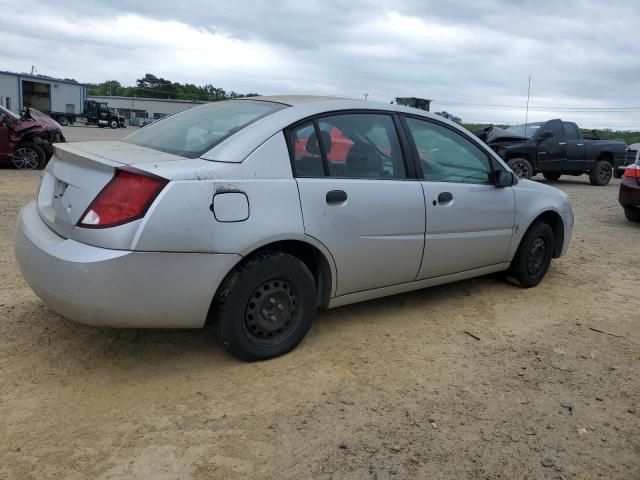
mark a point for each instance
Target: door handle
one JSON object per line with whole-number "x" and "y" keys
{"x": 445, "y": 197}
{"x": 580, "y": 144}
{"x": 562, "y": 143}
{"x": 336, "y": 196}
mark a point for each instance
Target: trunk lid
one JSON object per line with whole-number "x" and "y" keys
{"x": 78, "y": 172}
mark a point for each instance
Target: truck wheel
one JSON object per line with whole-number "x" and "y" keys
{"x": 552, "y": 176}
{"x": 265, "y": 307}
{"x": 601, "y": 173}
{"x": 618, "y": 172}
{"x": 532, "y": 260}
{"x": 62, "y": 120}
{"x": 632, "y": 214}
{"x": 28, "y": 156}
{"x": 113, "y": 123}
{"x": 521, "y": 167}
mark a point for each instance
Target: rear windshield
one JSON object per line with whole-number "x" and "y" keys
{"x": 196, "y": 131}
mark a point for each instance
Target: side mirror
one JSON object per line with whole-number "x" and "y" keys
{"x": 504, "y": 178}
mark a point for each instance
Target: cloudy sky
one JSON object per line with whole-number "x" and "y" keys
{"x": 473, "y": 58}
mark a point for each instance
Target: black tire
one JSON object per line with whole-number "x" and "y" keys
{"x": 632, "y": 214}
{"x": 28, "y": 156}
{"x": 532, "y": 260}
{"x": 601, "y": 173}
{"x": 521, "y": 167}
{"x": 62, "y": 120}
{"x": 552, "y": 176}
{"x": 113, "y": 123}
{"x": 618, "y": 172}
{"x": 265, "y": 306}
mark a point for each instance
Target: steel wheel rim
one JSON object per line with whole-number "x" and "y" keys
{"x": 520, "y": 169}
{"x": 604, "y": 173}
{"x": 26, "y": 159}
{"x": 537, "y": 255}
{"x": 272, "y": 313}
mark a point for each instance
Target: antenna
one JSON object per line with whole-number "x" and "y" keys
{"x": 526, "y": 115}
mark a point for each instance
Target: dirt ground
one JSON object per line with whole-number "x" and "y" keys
{"x": 393, "y": 384}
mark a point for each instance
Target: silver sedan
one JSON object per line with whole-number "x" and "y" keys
{"x": 252, "y": 214}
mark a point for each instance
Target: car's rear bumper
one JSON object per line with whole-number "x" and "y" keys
{"x": 629, "y": 195}
{"x": 117, "y": 288}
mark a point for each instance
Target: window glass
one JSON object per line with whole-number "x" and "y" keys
{"x": 447, "y": 156}
{"x": 195, "y": 131}
{"x": 555, "y": 127}
{"x": 362, "y": 145}
{"x": 307, "y": 161}
{"x": 571, "y": 131}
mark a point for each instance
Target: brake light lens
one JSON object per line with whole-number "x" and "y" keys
{"x": 126, "y": 198}
{"x": 633, "y": 171}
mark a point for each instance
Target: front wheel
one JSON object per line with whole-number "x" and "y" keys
{"x": 521, "y": 167}
{"x": 533, "y": 257}
{"x": 265, "y": 307}
{"x": 601, "y": 173}
{"x": 62, "y": 120}
{"x": 113, "y": 123}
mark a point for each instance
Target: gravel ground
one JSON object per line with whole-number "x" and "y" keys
{"x": 393, "y": 384}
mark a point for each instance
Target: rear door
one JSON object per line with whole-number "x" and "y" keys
{"x": 576, "y": 152}
{"x": 358, "y": 198}
{"x": 552, "y": 151}
{"x": 469, "y": 221}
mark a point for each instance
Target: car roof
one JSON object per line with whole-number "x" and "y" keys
{"x": 239, "y": 145}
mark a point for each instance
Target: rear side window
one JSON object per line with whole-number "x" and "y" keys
{"x": 555, "y": 127}
{"x": 194, "y": 132}
{"x": 358, "y": 145}
{"x": 571, "y": 131}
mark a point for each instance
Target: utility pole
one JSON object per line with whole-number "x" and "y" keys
{"x": 366, "y": 95}
{"x": 526, "y": 115}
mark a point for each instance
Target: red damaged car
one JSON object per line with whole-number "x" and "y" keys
{"x": 629, "y": 196}
{"x": 27, "y": 141}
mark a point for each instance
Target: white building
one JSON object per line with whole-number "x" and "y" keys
{"x": 21, "y": 90}
{"x": 139, "y": 109}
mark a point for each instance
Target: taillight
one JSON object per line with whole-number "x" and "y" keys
{"x": 126, "y": 197}
{"x": 633, "y": 171}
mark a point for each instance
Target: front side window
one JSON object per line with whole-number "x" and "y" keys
{"x": 195, "y": 131}
{"x": 447, "y": 156}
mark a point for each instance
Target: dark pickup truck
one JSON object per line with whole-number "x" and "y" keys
{"x": 554, "y": 148}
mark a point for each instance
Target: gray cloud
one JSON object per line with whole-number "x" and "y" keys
{"x": 581, "y": 54}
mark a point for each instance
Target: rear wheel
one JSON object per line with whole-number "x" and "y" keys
{"x": 632, "y": 214}
{"x": 28, "y": 156}
{"x": 601, "y": 173}
{"x": 113, "y": 123}
{"x": 533, "y": 257}
{"x": 265, "y": 307}
{"x": 553, "y": 176}
{"x": 521, "y": 167}
{"x": 62, "y": 120}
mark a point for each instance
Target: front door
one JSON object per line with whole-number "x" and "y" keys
{"x": 469, "y": 221}
{"x": 357, "y": 200}
{"x": 552, "y": 151}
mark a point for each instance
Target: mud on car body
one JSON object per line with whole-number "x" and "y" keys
{"x": 27, "y": 141}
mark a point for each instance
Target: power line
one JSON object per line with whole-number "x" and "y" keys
{"x": 540, "y": 108}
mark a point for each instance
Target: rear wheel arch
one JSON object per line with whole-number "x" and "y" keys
{"x": 606, "y": 156}
{"x": 313, "y": 258}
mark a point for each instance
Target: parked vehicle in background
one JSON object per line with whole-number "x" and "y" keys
{"x": 237, "y": 211}
{"x": 554, "y": 148}
{"x": 95, "y": 113}
{"x": 630, "y": 157}
{"x": 27, "y": 141}
{"x": 629, "y": 196}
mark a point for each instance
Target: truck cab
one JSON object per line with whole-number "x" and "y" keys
{"x": 554, "y": 148}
